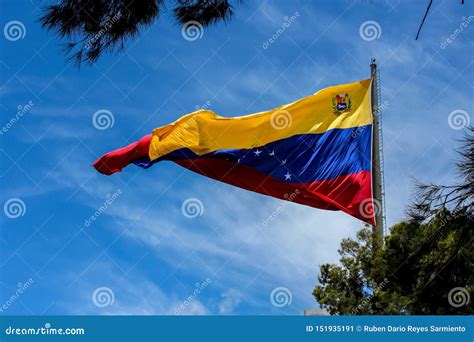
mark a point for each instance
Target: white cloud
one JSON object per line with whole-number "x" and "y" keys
{"x": 195, "y": 308}
{"x": 230, "y": 300}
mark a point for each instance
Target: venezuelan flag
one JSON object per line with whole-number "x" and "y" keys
{"x": 315, "y": 151}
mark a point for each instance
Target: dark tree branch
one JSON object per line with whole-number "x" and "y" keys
{"x": 97, "y": 26}
{"x": 431, "y": 199}
{"x": 206, "y": 12}
{"x": 423, "y": 21}
{"x": 424, "y": 17}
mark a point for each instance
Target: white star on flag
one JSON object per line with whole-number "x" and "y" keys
{"x": 287, "y": 176}
{"x": 257, "y": 153}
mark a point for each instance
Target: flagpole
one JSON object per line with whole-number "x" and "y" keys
{"x": 377, "y": 166}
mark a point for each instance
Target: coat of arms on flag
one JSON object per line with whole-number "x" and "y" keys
{"x": 341, "y": 103}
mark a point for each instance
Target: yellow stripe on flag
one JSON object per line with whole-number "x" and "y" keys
{"x": 204, "y": 131}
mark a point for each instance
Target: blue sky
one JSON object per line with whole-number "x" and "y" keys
{"x": 141, "y": 248}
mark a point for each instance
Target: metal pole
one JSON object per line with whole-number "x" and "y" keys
{"x": 377, "y": 177}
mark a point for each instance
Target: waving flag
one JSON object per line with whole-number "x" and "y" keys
{"x": 315, "y": 151}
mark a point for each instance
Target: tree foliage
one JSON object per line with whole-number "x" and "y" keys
{"x": 431, "y": 198}
{"x": 425, "y": 265}
{"x": 96, "y": 26}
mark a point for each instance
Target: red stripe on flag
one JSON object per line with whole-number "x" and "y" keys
{"x": 116, "y": 160}
{"x": 349, "y": 193}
